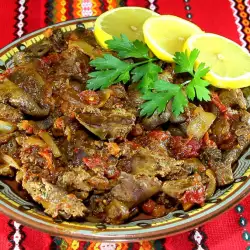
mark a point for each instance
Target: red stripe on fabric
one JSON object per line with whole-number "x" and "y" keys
{"x": 139, "y": 3}
{"x": 170, "y": 7}
{"x": 179, "y": 242}
{"x": 35, "y": 15}
{"x": 7, "y": 14}
{"x": 216, "y": 17}
{"x": 36, "y": 240}
{"x": 4, "y": 232}
{"x": 225, "y": 232}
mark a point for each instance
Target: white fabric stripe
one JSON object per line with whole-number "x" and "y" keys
{"x": 237, "y": 21}
{"x": 21, "y": 17}
{"x": 247, "y": 3}
{"x": 151, "y": 5}
{"x": 17, "y": 235}
{"x": 87, "y": 8}
{"x": 198, "y": 239}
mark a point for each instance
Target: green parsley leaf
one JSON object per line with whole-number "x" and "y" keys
{"x": 127, "y": 48}
{"x": 185, "y": 62}
{"x": 162, "y": 85}
{"x": 147, "y": 74}
{"x": 201, "y": 71}
{"x": 155, "y": 102}
{"x": 197, "y": 87}
{"x": 111, "y": 71}
{"x": 156, "y": 93}
{"x": 180, "y": 101}
{"x": 158, "y": 99}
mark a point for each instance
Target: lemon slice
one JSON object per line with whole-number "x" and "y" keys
{"x": 166, "y": 35}
{"x": 229, "y": 63}
{"x": 123, "y": 20}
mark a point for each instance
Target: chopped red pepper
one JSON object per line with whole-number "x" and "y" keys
{"x": 112, "y": 173}
{"x": 5, "y": 74}
{"x": 92, "y": 162}
{"x": 182, "y": 148}
{"x": 89, "y": 97}
{"x": 47, "y": 155}
{"x": 50, "y": 59}
{"x": 59, "y": 123}
{"x": 159, "y": 211}
{"x": 207, "y": 141}
{"x": 217, "y": 102}
{"x": 149, "y": 206}
{"x": 195, "y": 195}
{"x": 159, "y": 135}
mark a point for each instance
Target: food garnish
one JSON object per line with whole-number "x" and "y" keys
{"x": 166, "y": 34}
{"x": 156, "y": 93}
{"x": 228, "y": 61}
{"x": 124, "y": 20}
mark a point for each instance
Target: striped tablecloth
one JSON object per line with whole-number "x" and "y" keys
{"x": 230, "y": 18}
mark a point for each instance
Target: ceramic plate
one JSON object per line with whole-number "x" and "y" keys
{"x": 29, "y": 213}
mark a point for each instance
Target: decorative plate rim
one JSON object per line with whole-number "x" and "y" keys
{"x": 237, "y": 192}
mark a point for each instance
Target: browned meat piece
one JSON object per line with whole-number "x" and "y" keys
{"x": 232, "y": 98}
{"x": 117, "y": 212}
{"x": 108, "y": 124}
{"x": 213, "y": 157}
{"x": 74, "y": 179}
{"x": 155, "y": 120}
{"x": 27, "y": 78}
{"x": 134, "y": 96}
{"x": 55, "y": 200}
{"x": 11, "y": 93}
{"x": 221, "y": 130}
{"x": 242, "y": 132}
{"x": 130, "y": 191}
{"x": 133, "y": 190}
{"x": 11, "y": 147}
{"x": 74, "y": 64}
{"x": 40, "y": 48}
{"x": 58, "y": 41}
{"x": 188, "y": 191}
{"x": 9, "y": 113}
{"x": 146, "y": 162}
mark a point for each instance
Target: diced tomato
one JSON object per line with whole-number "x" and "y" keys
{"x": 207, "y": 141}
{"x": 195, "y": 195}
{"x": 112, "y": 173}
{"x": 5, "y": 74}
{"x": 50, "y": 59}
{"x": 92, "y": 162}
{"x": 159, "y": 135}
{"x": 25, "y": 125}
{"x": 59, "y": 123}
{"x": 229, "y": 142}
{"x": 159, "y": 211}
{"x": 133, "y": 144}
{"x": 47, "y": 155}
{"x": 89, "y": 97}
{"x": 182, "y": 148}
{"x": 149, "y": 206}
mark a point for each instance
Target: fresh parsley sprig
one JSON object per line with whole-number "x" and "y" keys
{"x": 156, "y": 93}
{"x": 111, "y": 70}
{"x": 164, "y": 91}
